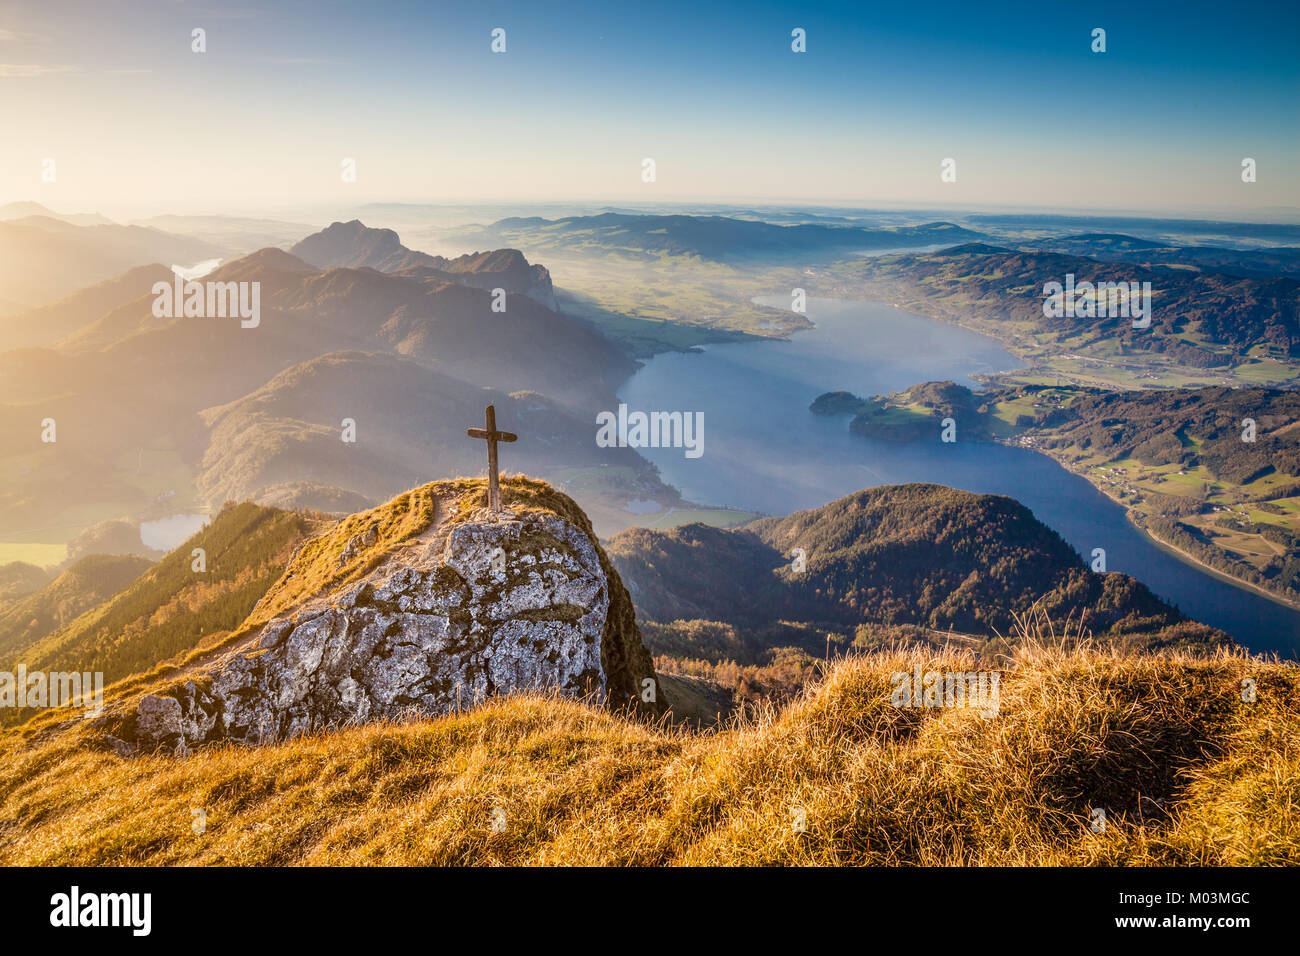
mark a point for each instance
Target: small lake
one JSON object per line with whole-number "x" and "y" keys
{"x": 764, "y": 451}
{"x": 196, "y": 271}
{"x": 164, "y": 534}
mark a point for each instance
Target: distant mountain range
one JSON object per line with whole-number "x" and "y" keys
{"x": 48, "y": 324}
{"x": 308, "y": 311}
{"x": 709, "y": 237}
{"x": 356, "y": 325}
{"x": 1281, "y": 261}
{"x": 412, "y": 355}
{"x": 1200, "y": 319}
{"x": 1164, "y": 229}
{"x": 236, "y": 235}
{"x": 43, "y": 259}
{"x": 25, "y": 210}
{"x": 412, "y": 417}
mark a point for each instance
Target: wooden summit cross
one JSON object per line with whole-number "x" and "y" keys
{"x": 492, "y": 436}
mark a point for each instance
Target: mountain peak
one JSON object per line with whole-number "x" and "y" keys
{"x": 272, "y": 258}
{"x": 355, "y": 245}
{"x": 428, "y": 603}
{"x": 351, "y": 244}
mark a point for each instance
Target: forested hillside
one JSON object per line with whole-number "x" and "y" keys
{"x": 172, "y": 606}
{"x": 919, "y": 555}
{"x": 86, "y": 584}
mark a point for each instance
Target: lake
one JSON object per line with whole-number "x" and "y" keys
{"x": 764, "y": 451}
{"x": 196, "y": 271}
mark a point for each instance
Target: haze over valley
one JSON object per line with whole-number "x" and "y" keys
{"x": 592, "y": 434}
{"x": 162, "y": 416}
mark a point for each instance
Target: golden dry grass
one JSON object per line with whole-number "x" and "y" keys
{"x": 1187, "y": 772}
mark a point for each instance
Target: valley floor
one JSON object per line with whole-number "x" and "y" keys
{"x": 1230, "y": 557}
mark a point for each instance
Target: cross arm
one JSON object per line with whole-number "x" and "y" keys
{"x": 491, "y": 436}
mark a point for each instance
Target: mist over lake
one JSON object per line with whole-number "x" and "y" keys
{"x": 163, "y": 534}
{"x": 765, "y": 451}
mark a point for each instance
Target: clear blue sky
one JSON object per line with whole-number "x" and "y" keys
{"x": 711, "y": 92}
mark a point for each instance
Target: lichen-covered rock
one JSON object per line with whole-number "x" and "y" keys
{"x": 158, "y": 723}
{"x": 489, "y": 604}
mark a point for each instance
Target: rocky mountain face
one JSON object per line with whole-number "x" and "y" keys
{"x": 431, "y": 603}
{"x": 355, "y": 245}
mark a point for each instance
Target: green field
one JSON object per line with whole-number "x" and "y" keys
{"x": 1132, "y": 483}
{"x": 671, "y": 302}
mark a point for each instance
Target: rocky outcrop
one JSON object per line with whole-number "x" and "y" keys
{"x": 503, "y": 268}
{"x": 355, "y": 245}
{"x": 476, "y": 606}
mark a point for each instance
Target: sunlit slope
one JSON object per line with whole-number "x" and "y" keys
{"x": 83, "y": 586}
{"x": 1186, "y": 771}
{"x": 173, "y": 606}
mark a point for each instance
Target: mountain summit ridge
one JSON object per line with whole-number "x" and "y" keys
{"x": 424, "y": 605}
{"x": 355, "y": 245}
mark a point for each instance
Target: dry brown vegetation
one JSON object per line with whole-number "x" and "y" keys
{"x": 1187, "y": 772}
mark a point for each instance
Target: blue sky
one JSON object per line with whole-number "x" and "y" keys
{"x": 711, "y": 92}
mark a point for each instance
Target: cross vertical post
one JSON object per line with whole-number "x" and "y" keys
{"x": 490, "y": 434}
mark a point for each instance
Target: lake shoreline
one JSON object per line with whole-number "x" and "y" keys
{"x": 988, "y": 381}
{"x": 1215, "y": 572}
{"x": 766, "y": 452}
